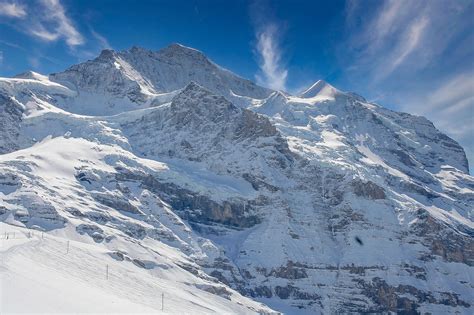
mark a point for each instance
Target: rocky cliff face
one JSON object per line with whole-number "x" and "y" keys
{"x": 198, "y": 126}
{"x": 10, "y": 116}
{"x": 315, "y": 203}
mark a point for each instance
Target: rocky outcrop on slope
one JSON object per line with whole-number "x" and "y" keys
{"x": 452, "y": 244}
{"x": 10, "y": 117}
{"x": 369, "y": 190}
{"x": 199, "y": 126}
{"x": 194, "y": 207}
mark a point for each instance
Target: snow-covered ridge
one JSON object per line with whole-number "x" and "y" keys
{"x": 180, "y": 172}
{"x": 140, "y": 77}
{"x": 320, "y": 88}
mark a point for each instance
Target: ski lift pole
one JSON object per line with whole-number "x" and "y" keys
{"x": 162, "y": 301}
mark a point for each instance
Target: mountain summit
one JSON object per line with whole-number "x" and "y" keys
{"x": 142, "y": 76}
{"x": 320, "y": 88}
{"x": 161, "y": 172}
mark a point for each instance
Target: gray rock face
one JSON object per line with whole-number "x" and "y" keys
{"x": 290, "y": 271}
{"x": 10, "y": 118}
{"x": 197, "y": 125}
{"x": 39, "y": 213}
{"x": 368, "y": 190}
{"x": 96, "y": 233}
{"x": 405, "y": 298}
{"x": 194, "y": 207}
{"x": 116, "y": 202}
{"x": 445, "y": 241}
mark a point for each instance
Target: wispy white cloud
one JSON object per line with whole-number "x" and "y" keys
{"x": 268, "y": 46}
{"x": 34, "y": 61}
{"x": 413, "y": 36}
{"x": 10, "y": 44}
{"x": 386, "y": 38}
{"x": 41, "y": 32}
{"x": 103, "y": 42}
{"x": 386, "y": 21}
{"x": 401, "y": 35}
{"x": 273, "y": 74}
{"x": 410, "y": 41}
{"x": 49, "y": 22}
{"x": 12, "y": 9}
{"x": 55, "y": 24}
{"x": 52, "y": 23}
{"x": 452, "y": 95}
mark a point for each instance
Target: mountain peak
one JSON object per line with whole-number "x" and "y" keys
{"x": 320, "y": 87}
{"x": 32, "y": 76}
{"x": 193, "y": 86}
{"x": 193, "y": 89}
{"x": 278, "y": 95}
{"x": 137, "y": 49}
{"x": 201, "y": 109}
{"x": 194, "y": 95}
{"x": 180, "y": 47}
{"x": 107, "y": 54}
{"x": 176, "y": 49}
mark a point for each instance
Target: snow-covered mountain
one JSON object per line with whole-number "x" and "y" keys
{"x": 175, "y": 169}
{"x": 136, "y": 78}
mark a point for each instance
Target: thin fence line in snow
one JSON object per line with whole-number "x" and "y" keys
{"x": 27, "y": 235}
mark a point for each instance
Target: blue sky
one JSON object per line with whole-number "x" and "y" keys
{"x": 415, "y": 56}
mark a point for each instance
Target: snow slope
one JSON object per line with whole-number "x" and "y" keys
{"x": 176, "y": 168}
{"x": 43, "y": 274}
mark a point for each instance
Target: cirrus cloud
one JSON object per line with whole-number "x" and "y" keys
{"x": 49, "y": 23}
{"x": 268, "y": 34}
{"x": 55, "y": 24}
{"x": 272, "y": 75}
{"x": 12, "y": 9}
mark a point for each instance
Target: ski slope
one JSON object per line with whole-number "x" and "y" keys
{"x": 39, "y": 274}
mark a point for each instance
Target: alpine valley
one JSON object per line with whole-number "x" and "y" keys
{"x": 157, "y": 181}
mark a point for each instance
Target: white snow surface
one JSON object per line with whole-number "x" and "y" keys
{"x": 64, "y": 273}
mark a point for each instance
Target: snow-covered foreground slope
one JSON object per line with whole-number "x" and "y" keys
{"x": 62, "y": 273}
{"x": 321, "y": 202}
